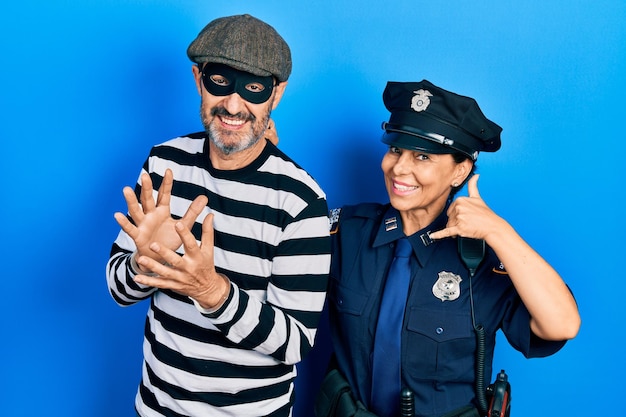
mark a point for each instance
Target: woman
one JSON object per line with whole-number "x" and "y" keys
{"x": 434, "y": 138}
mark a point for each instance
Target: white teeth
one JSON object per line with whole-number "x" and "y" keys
{"x": 232, "y": 122}
{"x": 404, "y": 188}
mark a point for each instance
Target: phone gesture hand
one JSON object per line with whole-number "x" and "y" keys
{"x": 468, "y": 216}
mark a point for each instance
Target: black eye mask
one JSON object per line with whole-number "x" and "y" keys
{"x": 222, "y": 80}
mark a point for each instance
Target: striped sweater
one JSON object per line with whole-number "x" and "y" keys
{"x": 272, "y": 241}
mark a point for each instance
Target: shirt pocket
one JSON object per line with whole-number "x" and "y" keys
{"x": 347, "y": 300}
{"x": 349, "y": 319}
{"x": 440, "y": 344}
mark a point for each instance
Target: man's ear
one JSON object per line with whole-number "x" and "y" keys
{"x": 279, "y": 90}
{"x": 197, "y": 75}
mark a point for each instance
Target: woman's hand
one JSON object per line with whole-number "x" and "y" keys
{"x": 471, "y": 217}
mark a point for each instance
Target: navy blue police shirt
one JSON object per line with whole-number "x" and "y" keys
{"x": 438, "y": 338}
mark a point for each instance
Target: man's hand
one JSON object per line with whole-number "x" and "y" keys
{"x": 192, "y": 274}
{"x": 153, "y": 221}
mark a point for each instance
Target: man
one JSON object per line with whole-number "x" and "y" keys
{"x": 235, "y": 251}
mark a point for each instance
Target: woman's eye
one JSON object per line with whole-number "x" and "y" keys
{"x": 394, "y": 149}
{"x": 421, "y": 157}
{"x": 220, "y": 80}
{"x": 255, "y": 87}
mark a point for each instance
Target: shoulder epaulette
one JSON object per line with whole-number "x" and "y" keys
{"x": 333, "y": 220}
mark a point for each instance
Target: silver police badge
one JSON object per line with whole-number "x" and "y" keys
{"x": 447, "y": 287}
{"x": 420, "y": 100}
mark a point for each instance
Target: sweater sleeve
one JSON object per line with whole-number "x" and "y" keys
{"x": 285, "y": 324}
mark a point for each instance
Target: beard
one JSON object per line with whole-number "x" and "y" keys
{"x": 229, "y": 142}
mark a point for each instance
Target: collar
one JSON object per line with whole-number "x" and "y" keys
{"x": 390, "y": 230}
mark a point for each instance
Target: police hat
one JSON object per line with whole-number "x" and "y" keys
{"x": 427, "y": 118}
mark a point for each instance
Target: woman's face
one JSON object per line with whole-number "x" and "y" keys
{"x": 419, "y": 183}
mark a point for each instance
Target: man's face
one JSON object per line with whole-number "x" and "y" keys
{"x": 233, "y": 123}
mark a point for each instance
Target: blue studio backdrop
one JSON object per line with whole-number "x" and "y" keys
{"x": 88, "y": 86}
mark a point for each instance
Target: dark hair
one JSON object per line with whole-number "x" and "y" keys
{"x": 458, "y": 158}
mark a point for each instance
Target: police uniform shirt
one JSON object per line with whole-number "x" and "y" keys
{"x": 438, "y": 339}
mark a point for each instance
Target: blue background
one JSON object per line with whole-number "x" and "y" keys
{"x": 87, "y": 87}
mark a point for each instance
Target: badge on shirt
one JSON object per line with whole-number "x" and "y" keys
{"x": 447, "y": 287}
{"x": 333, "y": 220}
{"x": 391, "y": 224}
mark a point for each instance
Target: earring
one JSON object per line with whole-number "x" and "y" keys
{"x": 456, "y": 184}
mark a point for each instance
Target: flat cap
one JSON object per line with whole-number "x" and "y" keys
{"x": 428, "y": 118}
{"x": 245, "y": 43}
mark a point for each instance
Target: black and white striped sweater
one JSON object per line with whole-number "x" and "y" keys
{"x": 272, "y": 242}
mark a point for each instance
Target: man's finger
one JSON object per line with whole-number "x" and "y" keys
{"x": 168, "y": 256}
{"x": 126, "y": 225}
{"x": 147, "y": 201}
{"x": 207, "y": 240}
{"x": 134, "y": 209}
{"x": 165, "y": 190}
{"x": 154, "y": 281}
{"x": 194, "y": 210}
{"x": 188, "y": 239}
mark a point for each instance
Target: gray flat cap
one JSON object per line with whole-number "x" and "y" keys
{"x": 245, "y": 43}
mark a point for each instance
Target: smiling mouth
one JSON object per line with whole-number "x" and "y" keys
{"x": 404, "y": 188}
{"x": 231, "y": 122}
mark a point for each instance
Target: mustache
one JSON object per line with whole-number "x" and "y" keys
{"x": 221, "y": 111}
